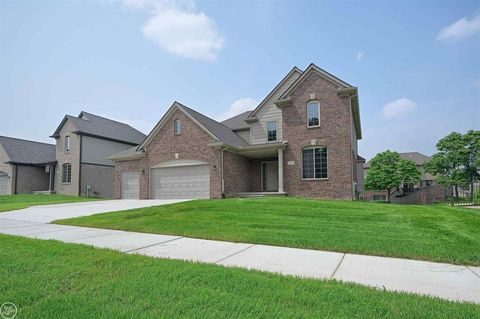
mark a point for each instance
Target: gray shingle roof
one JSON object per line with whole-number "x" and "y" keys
{"x": 221, "y": 131}
{"x": 92, "y": 124}
{"x": 28, "y": 152}
{"x": 417, "y": 157}
{"x": 237, "y": 122}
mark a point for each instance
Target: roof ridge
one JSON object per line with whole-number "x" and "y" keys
{"x": 105, "y": 118}
{"x": 22, "y": 139}
{"x": 208, "y": 117}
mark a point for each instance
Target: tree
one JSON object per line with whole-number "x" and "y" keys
{"x": 388, "y": 170}
{"x": 457, "y": 161}
{"x": 472, "y": 167}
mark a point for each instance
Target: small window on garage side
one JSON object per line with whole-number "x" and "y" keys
{"x": 66, "y": 173}
{"x": 271, "y": 131}
{"x": 178, "y": 127}
{"x": 67, "y": 143}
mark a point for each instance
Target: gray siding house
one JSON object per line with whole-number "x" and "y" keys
{"x": 83, "y": 144}
{"x": 26, "y": 166}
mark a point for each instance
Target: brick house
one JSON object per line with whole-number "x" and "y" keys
{"x": 300, "y": 140}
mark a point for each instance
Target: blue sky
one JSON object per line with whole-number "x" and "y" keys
{"x": 417, "y": 64}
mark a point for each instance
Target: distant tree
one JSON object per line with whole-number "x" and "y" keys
{"x": 472, "y": 166}
{"x": 388, "y": 170}
{"x": 451, "y": 161}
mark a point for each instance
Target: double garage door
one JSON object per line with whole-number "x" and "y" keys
{"x": 179, "y": 182}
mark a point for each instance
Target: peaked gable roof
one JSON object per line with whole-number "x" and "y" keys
{"x": 28, "y": 152}
{"x": 293, "y": 71}
{"x": 313, "y": 68}
{"x": 91, "y": 124}
{"x": 218, "y": 131}
{"x": 237, "y": 122}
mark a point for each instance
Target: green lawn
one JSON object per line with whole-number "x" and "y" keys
{"x": 49, "y": 279}
{"x": 13, "y": 202}
{"x": 437, "y": 233}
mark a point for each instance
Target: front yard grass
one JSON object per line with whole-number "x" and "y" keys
{"x": 14, "y": 202}
{"x": 50, "y": 279}
{"x": 435, "y": 233}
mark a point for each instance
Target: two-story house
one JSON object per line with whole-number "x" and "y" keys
{"x": 83, "y": 145}
{"x": 300, "y": 140}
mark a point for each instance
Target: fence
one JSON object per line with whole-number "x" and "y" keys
{"x": 464, "y": 194}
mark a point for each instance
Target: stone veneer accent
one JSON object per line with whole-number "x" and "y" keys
{"x": 334, "y": 132}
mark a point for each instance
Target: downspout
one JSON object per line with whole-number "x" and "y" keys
{"x": 80, "y": 169}
{"x": 354, "y": 160}
{"x": 15, "y": 179}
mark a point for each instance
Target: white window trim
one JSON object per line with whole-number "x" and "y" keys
{"x": 175, "y": 127}
{"x": 318, "y": 107}
{"x": 276, "y": 131}
{"x": 314, "y": 178}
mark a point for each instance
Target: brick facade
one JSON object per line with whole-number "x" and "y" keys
{"x": 191, "y": 144}
{"x": 334, "y": 133}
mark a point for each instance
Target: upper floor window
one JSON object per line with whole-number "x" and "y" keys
{"x": 67, "y": 144}
{"x": 178, "y": 127}
{"x": 272, "y": 131}
{"x": 67, "y": 173}
{"x": 314, "y": 165}
{"x": 313, "y": 113}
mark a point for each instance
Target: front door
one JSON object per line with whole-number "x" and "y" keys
{"x": 270, "y": 176}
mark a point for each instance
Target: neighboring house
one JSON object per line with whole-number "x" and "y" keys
{"x": 83, "y": 145}
{"x": 425, "y": 191}
{"x": 25, "y": 166}
{"x": 300, "y": 140}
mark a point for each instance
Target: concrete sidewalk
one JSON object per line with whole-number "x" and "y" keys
{"x": 459, "y": 283}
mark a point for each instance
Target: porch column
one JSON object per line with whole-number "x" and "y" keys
{"x": 280, "y": 170}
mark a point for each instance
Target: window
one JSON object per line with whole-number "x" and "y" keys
{"x": 315, "y": 163}
{"x": 67, "y": 144}
{"x": 66, "y": 173}
{"x": 178, "y": 127}
{"x": 313, "y": 113}
{"x": 271, "y": 131}
{"x": 380, "y": 198}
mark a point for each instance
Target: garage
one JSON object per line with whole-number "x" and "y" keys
{"x": 130, "y": 185}
{"x": 3, "y": 183}
{"x": 180, "y": 182}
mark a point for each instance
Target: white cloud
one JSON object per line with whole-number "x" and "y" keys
{"x": 360, "y": 55}
{"x": 398, "y": 108}
{"x": 177, "y": 27}
{"x": 461, "y": 29}
{"x": 239, "y": 106}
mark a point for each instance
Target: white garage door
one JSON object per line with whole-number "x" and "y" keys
{"x": 130, "y": 185}
{"x": 180, "y": 182}
{"x": 3, "y": 183}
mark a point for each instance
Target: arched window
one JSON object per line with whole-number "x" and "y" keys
{"x": 67, "y": 143}
{"x": 313, "y": 114}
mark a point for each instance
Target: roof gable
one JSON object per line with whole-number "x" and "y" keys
{"x": 218, "y": 131}
{"x": 313, "y": 68}
{"x": 293, "y": 72}
{"x": 237, "y": 122}
{"x": 98, "y": 126}
{"x": 28, "y": 152}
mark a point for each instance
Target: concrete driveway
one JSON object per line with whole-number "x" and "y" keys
{"x": 49, "y": 213}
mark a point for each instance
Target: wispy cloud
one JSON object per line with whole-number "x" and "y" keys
{"x": 461, "y": 29}
{"x": 398, "y": 107}
{"x": 239, "y": 106}
{"x": 360, "y": 55}
{"x": 177, "y": 27}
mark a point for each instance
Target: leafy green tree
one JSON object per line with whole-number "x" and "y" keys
{"x": 388, "y": 170}
{"x": 456, "y": 162}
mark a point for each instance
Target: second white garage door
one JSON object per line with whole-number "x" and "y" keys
{"x": 180, "y": 182}
{"x": 130, "y": 185}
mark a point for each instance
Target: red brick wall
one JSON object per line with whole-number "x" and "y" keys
{"x": 238, "y": 172}
{"x": 191, "y": 144}
{"x": 334, "y": 133}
